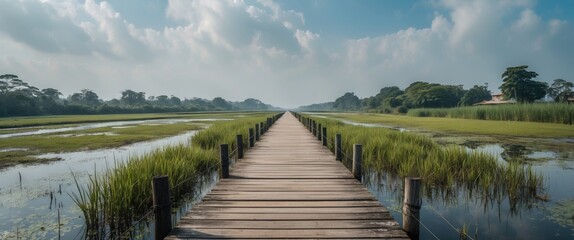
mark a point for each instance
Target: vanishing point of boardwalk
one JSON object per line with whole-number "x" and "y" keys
{"x": 288, "y": 186}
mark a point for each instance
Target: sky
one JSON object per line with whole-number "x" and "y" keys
{"x": 284, "y": 53}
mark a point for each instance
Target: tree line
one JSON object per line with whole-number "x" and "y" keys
{"x": 518, "y": 84}
{"x": 18, "y": 98}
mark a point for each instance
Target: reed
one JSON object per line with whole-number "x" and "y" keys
{"x": 112, "y": 200}
{"x": 561, "y": 113}
{"x": 443, "y": 169}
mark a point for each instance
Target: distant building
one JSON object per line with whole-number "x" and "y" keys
{"x": 570, "y": 100}
{"x": 496, "y": 99}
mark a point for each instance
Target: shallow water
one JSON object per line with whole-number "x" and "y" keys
{"x": 30, "y": 195}
{"x": 553, "y": 219}
{"x": 115, "y": 124}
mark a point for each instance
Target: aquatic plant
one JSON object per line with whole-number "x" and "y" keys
{"x": 561, "y": 113}
{"x": 113, "y": 200}
{"x": 444, "y": 169}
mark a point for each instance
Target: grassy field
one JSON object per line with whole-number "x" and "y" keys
{"x": 43, "y": 121}
{"x": 560, "y": 113}
{"x": 23, "y": 149}
{"x": 462, "y": 126}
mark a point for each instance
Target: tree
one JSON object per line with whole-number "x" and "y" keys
{"x": 17, "y": 97}
{"x": 439, "y": 96}
{"x": 475, "y": 95}
{"x": 347, "y": 102}
{"x": 133, "y": 98}
{"x": 51, "y": 93}
{"x": 86, "y": 97}
{"x": 518, "y": 84}
{"x": 220, "y": 103}
{"x": 561, "y": 90}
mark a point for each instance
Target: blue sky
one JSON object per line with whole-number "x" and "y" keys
{"x": 281, "y": 52}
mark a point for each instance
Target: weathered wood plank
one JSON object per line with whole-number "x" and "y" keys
{"x": 282, "y": 234}
{"x": 288, "y": 186}
{"x": 377, "y": 209}
{"x": 283, "y": 224}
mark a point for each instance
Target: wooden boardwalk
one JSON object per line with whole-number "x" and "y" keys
{"x": 288, "y": 186}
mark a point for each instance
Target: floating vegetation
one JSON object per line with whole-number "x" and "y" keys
{"x": 113, "y": 200}
{"x": 563, "y": 213}
{"x": 562, "y": 113}
{"x": 444, "y": 169}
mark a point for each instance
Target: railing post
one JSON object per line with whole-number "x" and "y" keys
{"x": 319, "y": 128}
{"x": 239, "y": 142}
{"x": 314, "y": 128}
{"x": 412, "y": 207}
{"x": 324, "y": 136}
{"x": 338, "y": 148}
{"x": 224, "y": 156}
{"x": 357, "y": 159}
{"x": 162, "y": 206}
{"x": 257, "y": 132}
{"x": 251, "y": 138}
{"x": 261, "y": 128}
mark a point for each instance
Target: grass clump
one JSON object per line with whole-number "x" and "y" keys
{"x": 112, "y": 200}
{"x": 443, "y": 169}
{"x": 560, "y": 113}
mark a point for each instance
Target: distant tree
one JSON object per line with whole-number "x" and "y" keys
{"x": 162, "y": 100}
{"x": 220, "y": 103}
{"x": 475, "y": 95}
{"x": 51, "y": 93}
{"x": 347, "y": 102}
{"x": 439, "y": 96}
{"x": 132, "y": 98}
{"x": 518, "y": 84}
{"x": 85, "y": 97}
{"x": 174, "y": 101}
{"x": 561, "y": 90}
{"x": 17, "y": 97}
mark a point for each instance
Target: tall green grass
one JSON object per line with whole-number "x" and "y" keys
{"x": 443, "y": 169}
{"x": 113, "y": 200}
{"x": 561, "y": 113}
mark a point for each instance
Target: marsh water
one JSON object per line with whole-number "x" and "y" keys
{"x": 32, "y": 196}
{"x": 549, "y": 217}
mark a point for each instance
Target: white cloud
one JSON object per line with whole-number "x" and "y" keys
{"x": 473, "y": 45}
{"x": 237, "y": 49}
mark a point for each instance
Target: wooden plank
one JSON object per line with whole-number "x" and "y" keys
{"x": 283, "y": 224}
{"x": 377, "y": 209}
{"x": 282, "y": 234}
{"x": 288, "y": 216}
{"x": 290, "y": 204}
{"x": 288, "y": 186}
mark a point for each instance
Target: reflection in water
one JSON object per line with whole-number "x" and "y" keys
{"x": 24, "y": 210}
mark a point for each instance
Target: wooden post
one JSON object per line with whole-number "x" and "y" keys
{"x": 338, "y": 147}
{"x": 310, "y": 125}
{"x": 314, "y": 128}
{"x": 257, "y": 132}
{"x": 269, "y": 122}
{"x": 224, "y": 156}
{"x": 319, "y": 128}
{"x": 251, "y": 138}
{"x": 324, "y": 136}
{"x": 412, "y": 207}
{"x": 357, "y": 159}
{"x": 161, "y": 206}
{"x": 239, "y": 142}
{"x": 261, "y": 128}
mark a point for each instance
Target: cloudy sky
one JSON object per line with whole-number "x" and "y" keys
{"x": 286, "y": 53}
